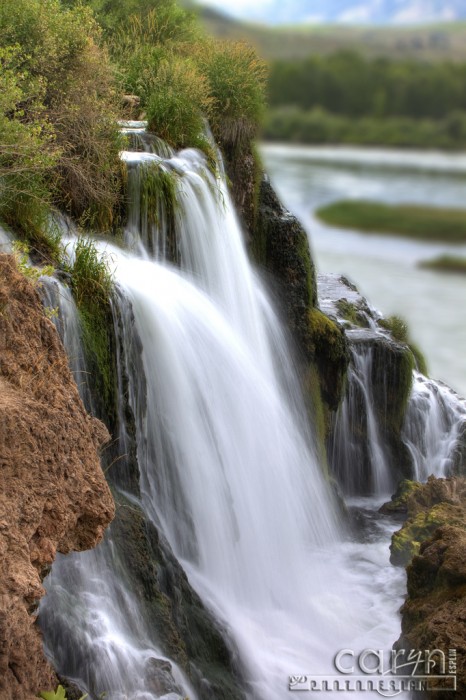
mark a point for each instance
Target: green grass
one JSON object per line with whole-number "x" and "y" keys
{"x": 446, "y": 263}
{"x": 400, "y": 332}
{"x": 410, "y": 221}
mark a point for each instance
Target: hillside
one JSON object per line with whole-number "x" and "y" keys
{"x": 439, "y": 41}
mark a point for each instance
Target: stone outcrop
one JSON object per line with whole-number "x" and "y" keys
{"x": 427, "y": 507}
{"x": 434, "y": 614}
{"x": 280, "y": 245}
{"x": 54, "y": 497}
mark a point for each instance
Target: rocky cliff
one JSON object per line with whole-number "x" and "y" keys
{"x": 433, "y": 542}
{"x": 54, "y": 497}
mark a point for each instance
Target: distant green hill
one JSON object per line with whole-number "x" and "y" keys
{"x": 439, "y": 42}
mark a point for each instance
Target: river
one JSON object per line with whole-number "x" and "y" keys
{"x": 385, "y": 269}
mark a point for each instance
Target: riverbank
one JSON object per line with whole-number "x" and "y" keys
{"x": 417, "y": 221}
{"x": 317, "y": 126}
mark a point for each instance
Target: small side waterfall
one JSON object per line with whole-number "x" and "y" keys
{"x": 359, "y": 454}
{"x": 431, "y": 439}
{"x": 58, "y": 299}
{"x": 435, "y": 429}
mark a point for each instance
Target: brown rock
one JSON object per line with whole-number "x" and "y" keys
{"x": 53, "y": 495}
{"x": 434, "y": 614}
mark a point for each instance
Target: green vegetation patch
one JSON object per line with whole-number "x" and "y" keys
{"x": 320, "y": 126}
{"x": 411, "y": 221}
{"x": 92, "y": 285}
{"x": 446, "y": 263}
{"x": 398, "y": 329}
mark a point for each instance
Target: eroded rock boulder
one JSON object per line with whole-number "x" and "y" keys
{"x": 53, "y": 497}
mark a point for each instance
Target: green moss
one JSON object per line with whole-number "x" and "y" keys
{"x": 421, "y": 362}
{"x": 305, "y": 256}
{"x": 423, "y": 223}
{"x": 158, "y": 184}
{"x": 393, "y": 395}
{"x": 317, "y": 412}
{"x": 92, "y": 285}
{"x": 399, "y": 500}
{"x": 398, "y": 329}
{"x": 331, "y": 354}
{"x": 407, "y": 541}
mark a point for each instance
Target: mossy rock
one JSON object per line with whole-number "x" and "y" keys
{"x": 406, "y": 543}
{"x": 330, "y": 350}
{"x": 392, "y": 379}
{"x": 399, "y": 500}
{"x": 354, "y": 314}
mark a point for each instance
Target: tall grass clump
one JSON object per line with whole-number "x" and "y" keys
{"x": 398, "y": 329}
{"x": 92, "y": 284}
{"x": 237, "y": 79}
{"x": 176, "y": 105}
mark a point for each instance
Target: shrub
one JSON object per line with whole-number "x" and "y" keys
{"x": 28, "y": 154}
{"x": 66, "y": 104}
{"x": 91, "y": 278}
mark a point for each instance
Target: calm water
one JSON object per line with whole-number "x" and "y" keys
{"x": 385, "y": 269}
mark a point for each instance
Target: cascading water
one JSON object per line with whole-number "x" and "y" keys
{"x": 63, "y": 311}
{"x": 227, "y": 473}
{"x": 434, "y": 428}
{"x": 432, "y": 438}
{"x": 358, "y": 451}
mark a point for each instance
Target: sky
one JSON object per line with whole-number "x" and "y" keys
{"x": 347, "y": 11}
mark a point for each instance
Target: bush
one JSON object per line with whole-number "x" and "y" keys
{"x": 66, "y": 105}
{"x": 27, "y": 152}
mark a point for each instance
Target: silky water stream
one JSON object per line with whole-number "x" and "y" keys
{"x": 228, "y": 471}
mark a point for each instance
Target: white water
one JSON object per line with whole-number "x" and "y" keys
{"x": 435, "y": 421}
{"x": 236, "y": 483}
{"x": 229, "y": 472}
{"x": 362, "y": 468}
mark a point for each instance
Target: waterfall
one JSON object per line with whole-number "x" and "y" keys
{"x": 434, "y": 428}
{"x": 359, "y": 454}
{"x": 62, "y": 310}
{"x": 227, "y": 468}
{"x": 431, "y": 439}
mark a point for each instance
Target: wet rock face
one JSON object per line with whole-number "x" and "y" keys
{"x": 186, "y": 630}
{"x": 54, "y": 497}
{"x": 380, "y": 378}
{"x": 434, "y": 614}
{"x": 281, "y": 245}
